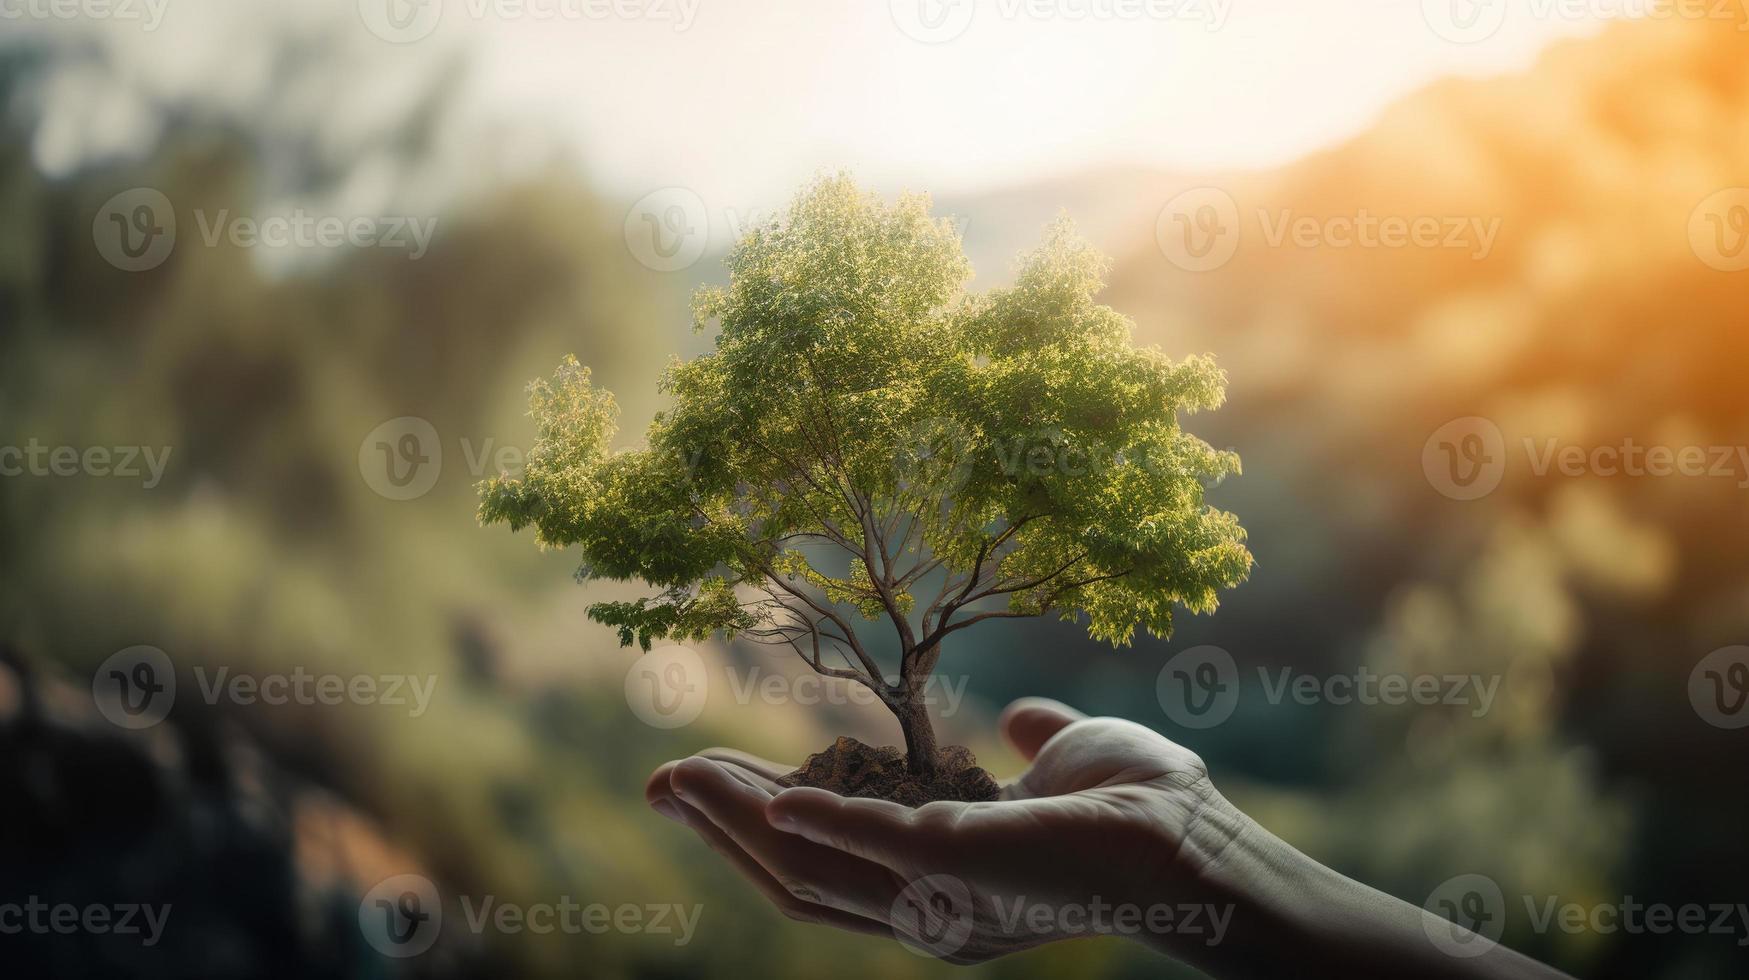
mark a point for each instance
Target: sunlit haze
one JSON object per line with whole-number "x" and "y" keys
{"x": 741, "y": 100}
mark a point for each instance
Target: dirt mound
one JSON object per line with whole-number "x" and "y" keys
{"x": 853, "y": 768}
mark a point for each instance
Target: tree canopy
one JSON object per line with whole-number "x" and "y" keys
{"x": 869, "y": 441}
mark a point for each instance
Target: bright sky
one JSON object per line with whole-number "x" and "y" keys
{"x": 756, "y": 95}
{"x": 742, "y": 100}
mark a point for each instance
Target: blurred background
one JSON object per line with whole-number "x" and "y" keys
{"x": 266, "y": 244}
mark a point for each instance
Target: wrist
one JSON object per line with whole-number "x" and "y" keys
{"x": 1283, "y": 913}
{"x": 1248, "y": 889}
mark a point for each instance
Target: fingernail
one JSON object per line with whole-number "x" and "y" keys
{"x": 666, "y": 809}
{"x": 676, "y": 782}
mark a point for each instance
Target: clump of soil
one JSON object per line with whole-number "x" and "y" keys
{"x": 853, "y": 768}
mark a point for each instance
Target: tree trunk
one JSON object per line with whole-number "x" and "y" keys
{"x": 919, "y": 734}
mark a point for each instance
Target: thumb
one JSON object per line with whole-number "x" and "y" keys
{"x": 1030, "y": 722}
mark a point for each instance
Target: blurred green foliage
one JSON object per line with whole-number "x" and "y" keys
{"x": 264, "y": 548}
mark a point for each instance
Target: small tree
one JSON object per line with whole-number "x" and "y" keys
{"x": 866, "y": 434}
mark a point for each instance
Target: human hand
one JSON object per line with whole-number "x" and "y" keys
{"x": 1111, "y": 824}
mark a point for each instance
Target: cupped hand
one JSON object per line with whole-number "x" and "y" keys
{"x": 1109, "y": 821}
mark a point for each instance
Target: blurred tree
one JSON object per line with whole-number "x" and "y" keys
{"x": 858, "y": 404}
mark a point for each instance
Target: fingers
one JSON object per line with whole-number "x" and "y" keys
{"x": 765, "y": 768}
{"x": 1030, "y": 722}
{"x": 736, "y": 805}
{"x": 874, "y": 830}
{"x": 773, "y": 890}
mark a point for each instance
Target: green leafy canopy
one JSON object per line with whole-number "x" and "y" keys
{"x": 868, "y": 439}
